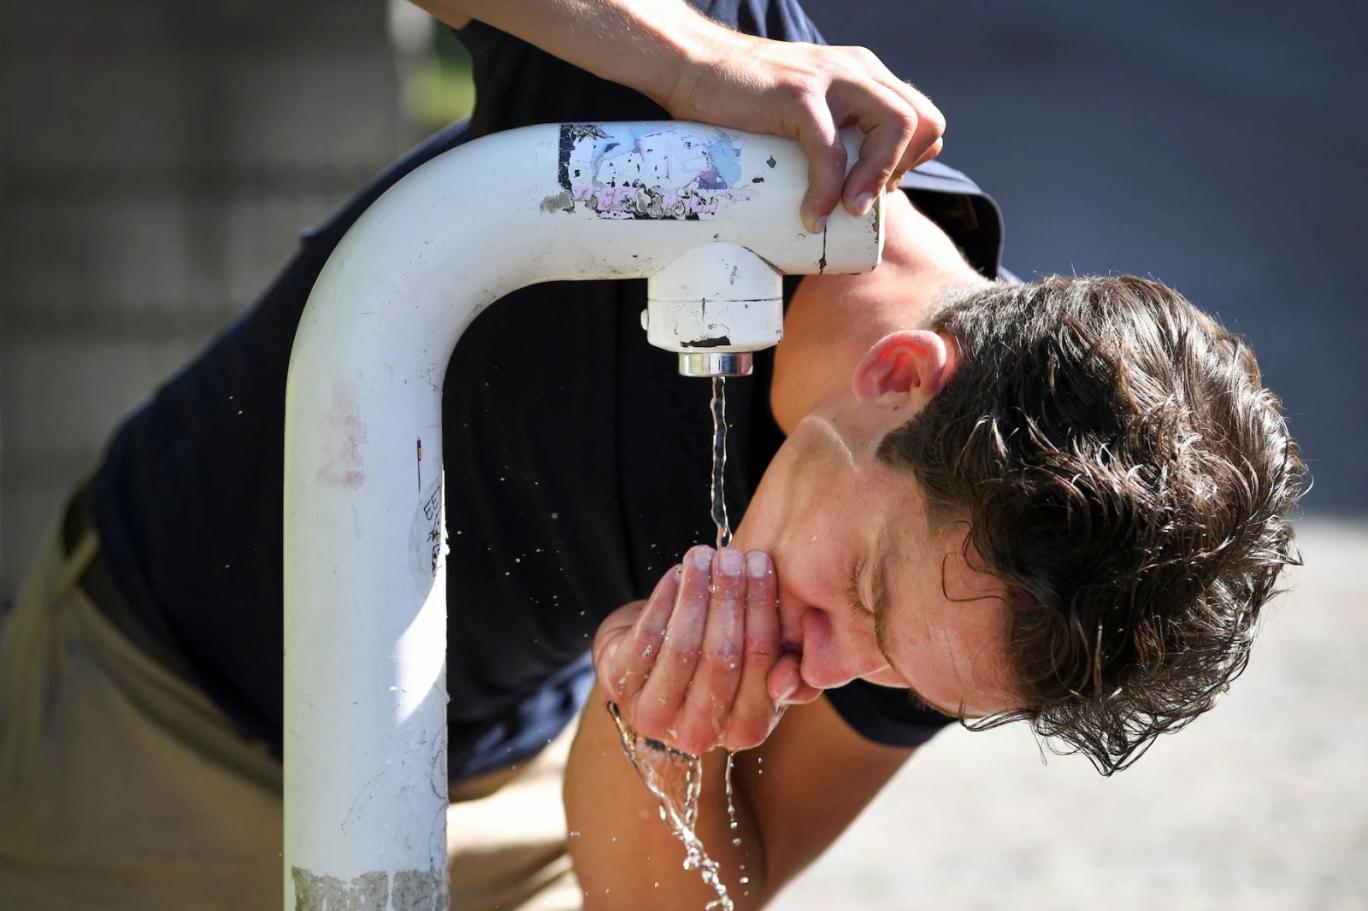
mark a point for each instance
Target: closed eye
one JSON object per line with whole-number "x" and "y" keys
{"x": 853, "y": 592}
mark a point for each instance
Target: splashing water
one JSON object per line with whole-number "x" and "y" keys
{"x": 661, "y": 768}
{"x": 674, "y": 777}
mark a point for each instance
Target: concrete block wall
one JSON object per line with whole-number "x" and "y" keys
{"x": 157, "y": 160}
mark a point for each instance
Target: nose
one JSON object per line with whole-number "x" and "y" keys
{"x": 838, "y": 647}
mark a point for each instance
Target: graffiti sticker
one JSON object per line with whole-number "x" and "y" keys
{"x": 651, "y": 171}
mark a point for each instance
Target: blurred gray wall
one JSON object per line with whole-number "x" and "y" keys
{"x": 157, "y": 160}
{"x": 1219, "y": 146}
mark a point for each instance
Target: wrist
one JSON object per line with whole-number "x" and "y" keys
{"x": 693, "y": 46}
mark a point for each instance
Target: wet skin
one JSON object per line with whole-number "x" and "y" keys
{"x": 854, "y": 576}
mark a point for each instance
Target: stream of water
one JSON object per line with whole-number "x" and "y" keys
{"x": 717, "y": 487}
{"x": 718, "y": 496}
{"x": 676, "y": 780}
{"x": 674, "y": 777}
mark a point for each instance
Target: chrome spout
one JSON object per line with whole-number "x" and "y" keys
{"x": 724, "y": 363}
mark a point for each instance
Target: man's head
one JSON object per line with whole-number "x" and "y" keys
{"x": 1128, "y": 478}
{"x": 1098, "y": 510}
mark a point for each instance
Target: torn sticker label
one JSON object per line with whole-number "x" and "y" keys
{"x": 665, "y": 171}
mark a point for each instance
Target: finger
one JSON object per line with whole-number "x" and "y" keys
{"x": 629, "y": 668}
{"x": 889, "y": 127}
{"x": 936, "y": 148}
{"x": 662, "y": 696}
{"x": 930, "y": 153}
{"x": 784, "y": 678}
{"x": 753, "y": 711}
{"x": 785, "y": 682}
{"x": 930, "y": 120}
{"x": 826, "y": 156}
{"x": 712, "y": 690}
{"x": 895, "y": 181}
{"x": 928, "y": 139}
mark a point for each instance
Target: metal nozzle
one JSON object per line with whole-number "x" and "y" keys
{"x": 716, "y": 363}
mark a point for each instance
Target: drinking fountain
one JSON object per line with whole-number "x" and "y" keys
{"x": 708, "y": 216}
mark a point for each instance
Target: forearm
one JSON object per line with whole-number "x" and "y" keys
{"x": 624, "y": 854}
{"x": 643, "y": 44}
{"x": 698, "y": 69}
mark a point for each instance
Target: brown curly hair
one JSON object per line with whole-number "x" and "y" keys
{"x": 1130, "y": 479}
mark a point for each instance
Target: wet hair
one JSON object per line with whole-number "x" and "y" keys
{"x": 1129, "y": 478}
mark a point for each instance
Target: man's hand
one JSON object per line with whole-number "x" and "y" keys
{"x": 698, "y": 69}
{"x": 698, "y": 665}
{"x": 808, "y": 92}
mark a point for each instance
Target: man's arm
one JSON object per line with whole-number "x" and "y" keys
{"x": 699, "y": 665}
{"x": 699, "y": 70}
{"x": 794, "y": 795}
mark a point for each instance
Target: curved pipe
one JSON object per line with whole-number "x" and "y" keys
{"x": 365, "y": 587}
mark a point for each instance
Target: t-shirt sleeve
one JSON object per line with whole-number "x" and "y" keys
{"x": 884, "y": 714}
{"x": 963, "y": 211}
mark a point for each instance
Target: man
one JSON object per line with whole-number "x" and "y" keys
{"x": 882, "y": 561}
{"x": 1062, "y": 502}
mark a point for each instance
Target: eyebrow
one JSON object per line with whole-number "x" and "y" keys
{"x": 878, "y": 589}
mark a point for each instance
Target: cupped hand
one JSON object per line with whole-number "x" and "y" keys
{"x": 699, "y": 665}
{"x": 807, "y": 92}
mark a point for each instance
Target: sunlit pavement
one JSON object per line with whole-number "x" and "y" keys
{"x": 1263, "y": 804}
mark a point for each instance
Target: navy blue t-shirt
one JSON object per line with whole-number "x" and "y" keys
{"x": 571, "y": 484}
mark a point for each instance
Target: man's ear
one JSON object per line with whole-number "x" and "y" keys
{"x": 903, "y": 363}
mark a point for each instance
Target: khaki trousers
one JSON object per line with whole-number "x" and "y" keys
{"x": 123, "y": 787}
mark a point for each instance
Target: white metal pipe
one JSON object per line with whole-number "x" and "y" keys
{"x": 365, "y": 587}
